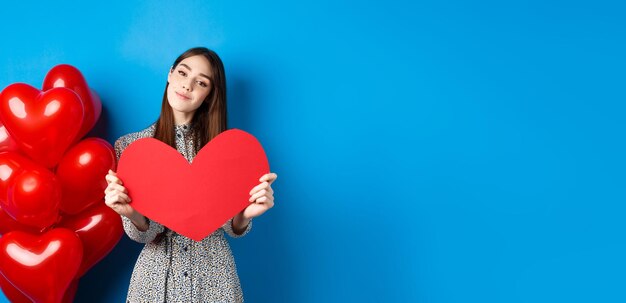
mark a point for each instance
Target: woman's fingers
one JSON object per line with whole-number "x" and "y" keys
{"x": 259, "y": 187}
{"x": 262, "y": 195}
{"x": 124, "y": 197}
{"x": 263, "y": 199}
{"x": 266, "y": 181}
{"x": 270, "y": 203}
{"x": 112, "y": 178}
{"x": 260, "y": 190}
{"x": 116, "y": 197}
{"x": 271, "y": 177}
{"x": 114, "y": 186}
{"x": 258, "y": 194}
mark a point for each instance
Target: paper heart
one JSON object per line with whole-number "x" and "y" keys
{"x": 44, "y": 124}
{"x": 65, "y": 75}
{"x": 194, "y": 199}
{"x": 42, "y": 267}
{"x": 99, "y": 229}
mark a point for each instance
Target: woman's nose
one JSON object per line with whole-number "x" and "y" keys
{"x": 187, "y": 86}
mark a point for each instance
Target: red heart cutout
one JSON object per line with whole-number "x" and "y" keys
{"x": 44, "y": 124}
{"x": 99, "y": 229}
{"x": 65, "y": 75}
{"x": 41, "y": 266}
{"x": 194, "y": 199}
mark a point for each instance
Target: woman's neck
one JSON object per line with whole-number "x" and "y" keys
{"x": 182, "y": 118}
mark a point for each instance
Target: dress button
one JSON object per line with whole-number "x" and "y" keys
{"x": 185, "y": 248}
{"x": 178, "y": 135}
{"x": 185, "y": 126}
{"x": 185, "y": 274}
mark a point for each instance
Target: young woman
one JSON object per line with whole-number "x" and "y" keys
{"x": 172, "y": 267}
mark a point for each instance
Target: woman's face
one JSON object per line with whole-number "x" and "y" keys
{"x": 189, "y": 84}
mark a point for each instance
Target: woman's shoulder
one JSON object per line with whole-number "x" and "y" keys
{"x": 122, "y": 142}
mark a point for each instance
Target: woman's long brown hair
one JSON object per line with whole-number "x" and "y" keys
{"x": 209, "y": 119}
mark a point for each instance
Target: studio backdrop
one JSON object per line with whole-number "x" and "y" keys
{"x": 426, "y": 151}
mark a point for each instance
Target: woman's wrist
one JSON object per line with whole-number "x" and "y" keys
{"x": 240, "y": 223}
{"x": 139, "y": 220}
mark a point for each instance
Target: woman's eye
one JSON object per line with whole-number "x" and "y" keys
{"x": 182, "y": 73}
{"x": 202, "y": 84}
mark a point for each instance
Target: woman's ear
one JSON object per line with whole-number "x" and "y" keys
{"x": 169, "y": 75}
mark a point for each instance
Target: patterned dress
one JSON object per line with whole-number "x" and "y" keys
{"x": 172, "y": 267}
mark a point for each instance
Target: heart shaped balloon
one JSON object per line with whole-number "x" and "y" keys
{"x": 65, "y": 75}
{"x": 6, "y": 141}
{"x": 8, "y": 224}
{"x": 42, "y": 267}
{"x": 13, "y": 294}
{"x": 82, "y": 172}
{"x": 44, "y": 124}
{"x": 11, "y": 163}
{"x": 29, "y": 193}
{"x": 99, "y": 228}
{"x": 37, "y": 129}
{"x": 70, "y": 293}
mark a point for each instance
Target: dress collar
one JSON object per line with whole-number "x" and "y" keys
{"x": 183, "y": 128}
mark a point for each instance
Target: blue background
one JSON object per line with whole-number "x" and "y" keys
{"x": 427, "y": 151}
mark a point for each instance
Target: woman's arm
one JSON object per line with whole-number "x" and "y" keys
{"x": 140, "y": 222}
{"x": 153, "y": 229}
{"x": 240, "y": 224}
{"x": 261, "y": 199}
{"x": 136, "y": 225}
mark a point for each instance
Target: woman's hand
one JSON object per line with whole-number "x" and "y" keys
{"x": 116, "y": 197}
{"x": 261, "y": 197}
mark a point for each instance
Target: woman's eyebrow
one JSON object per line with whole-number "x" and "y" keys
{"x": 189, "y": 68}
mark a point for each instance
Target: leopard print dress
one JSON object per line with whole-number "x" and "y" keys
{"x": 172, "y": 267}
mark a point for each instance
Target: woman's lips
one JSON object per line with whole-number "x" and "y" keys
{"x": 183, "y": 96}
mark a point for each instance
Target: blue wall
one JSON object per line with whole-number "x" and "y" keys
{"x": 427, "y": 151}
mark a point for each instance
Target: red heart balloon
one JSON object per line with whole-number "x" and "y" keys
{"x": 65, "y": 75}
{"x": 41, "y": 266}
{"x": 70, "y": 293}
{"x": 8, "y": 224}
{"x": 44, "y": 124}
{"x": 13, "y": 294}
{"x": 99, "y": 228}
{"x": 29, "y": 193}
{"x": 6, "y": 141}
{"x": 193, "y": 199}
{"x": 11, "y": 163}
{"x": 81, "y": 173}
